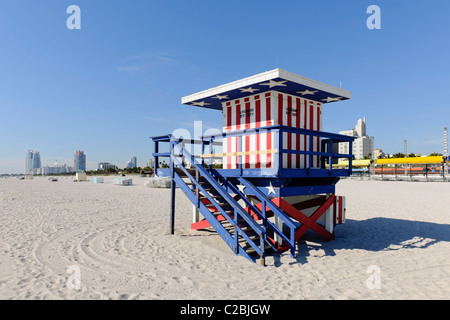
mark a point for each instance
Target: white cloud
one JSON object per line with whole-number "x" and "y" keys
{"x": 148, "y": 61}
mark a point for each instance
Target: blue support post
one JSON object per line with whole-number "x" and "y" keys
{"x": 203, "y": 150}
{"x": 211, "y": 152}
{"x": 330, "y": 158}
{"x": 156, "y": 151}
{"x": 172, "y": 186}
{"x": 350, "y": 160}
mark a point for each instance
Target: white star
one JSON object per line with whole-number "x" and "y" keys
{"x": 200, "y": 104}
{"x": 330, "y": 99}
{"x": 250, "y": 89}
{"x": 307, "y": 92}
{"x": 271, "y": 189}
{"x": 273, "y": 83}
{"x": 241, "y": 188}
{"x": 220, "y": 97}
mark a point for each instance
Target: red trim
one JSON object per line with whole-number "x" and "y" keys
{"x": 305, "y": 126}
{"x": 289, "y": 135}
{"x": 317, "y": 138}
{"x": 269, "y": 134}
{"x": 280, "y": 109}
{"x": 308, "y": 223}
{"x": 258, "y": 136}
{"x": 247, "y": 137}
{"x": 297, "y": 137}
{"x": 311, "y": 126}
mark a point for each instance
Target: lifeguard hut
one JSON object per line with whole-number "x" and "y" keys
{"x": 277, "y": 178}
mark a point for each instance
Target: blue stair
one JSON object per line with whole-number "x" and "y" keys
{"x": 241, "y": 232}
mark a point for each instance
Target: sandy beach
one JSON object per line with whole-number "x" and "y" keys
{"x": 117, "y": 239}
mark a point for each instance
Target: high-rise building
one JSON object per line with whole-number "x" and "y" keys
{"x": 79, "y": 162}
{"x": 32, "y": 162}
{"x": 363, "y": 146}
{"x": 132, "y": 163}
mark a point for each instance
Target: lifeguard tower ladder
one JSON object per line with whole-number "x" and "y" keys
{"x": 277, "y": 178}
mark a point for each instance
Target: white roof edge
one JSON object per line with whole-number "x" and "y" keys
{"x": 232, "y": 85}
{"x": 271, "y": 74}
{"x": 313, "y": 83}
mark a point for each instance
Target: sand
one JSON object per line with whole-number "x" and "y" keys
{"x": 115, "y": 240}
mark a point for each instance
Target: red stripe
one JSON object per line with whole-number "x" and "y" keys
{"x": 280, "y": 109}
{"x": 305, "y": 120}
{"x": 289, "y": 135}
{"x": 238, "y": 127}
{"x": 258, "y": 136}
{"x": 280, "y": 122}
{"x": 269, "y": 135}
{"x": 317, "y": 138}
{"x": 247, "y": 137}
{"x": 297, "y": 140}
{"x": 311, "y": 126}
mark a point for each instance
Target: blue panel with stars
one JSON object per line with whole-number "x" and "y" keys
{"x": 277, "y": 80}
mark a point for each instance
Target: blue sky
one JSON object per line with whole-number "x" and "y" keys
{"x": 108, "y": 87}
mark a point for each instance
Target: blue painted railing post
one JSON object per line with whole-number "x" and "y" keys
{"x": 156, "y": 165}
{"x": 203, "y": 150}
{"x": 310, "y": 150}
{"x": 330, "y": 158}
{"x": 211, "y": 152}
{"x": 172, "y": 186}
{"x": 236, "y": 232}
{"x": 350, "y": 160}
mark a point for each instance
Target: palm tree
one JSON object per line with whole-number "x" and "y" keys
{"x": 398, "y": 155}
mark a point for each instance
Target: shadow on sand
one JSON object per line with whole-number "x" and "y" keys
{"x": 376, "y": 234}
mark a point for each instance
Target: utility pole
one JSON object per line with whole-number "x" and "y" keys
{"x": 406, "y": 155}
{"x": 444, "y": 167}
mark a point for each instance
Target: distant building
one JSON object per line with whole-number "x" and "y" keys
{"x": 79, "y": 161}
{"x": 132, "y": 163}
{"x": 377, "y": 153}
{"x": 106, "y": 166}
{"x": 363, "y": 146}
{"x": 57, "y": 169}
{"x": 151, "y": 163}
{"x": 32, "y": 162}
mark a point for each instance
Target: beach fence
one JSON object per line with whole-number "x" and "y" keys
{"x": 432, "y": 168}
{"x": 278, "y": 175}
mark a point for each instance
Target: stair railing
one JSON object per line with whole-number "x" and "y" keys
{"x": 238, "y": 210}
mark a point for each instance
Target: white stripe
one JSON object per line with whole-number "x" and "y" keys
{"x": 315, "y": 143}
{"x": 263, "y": 136}
{"x": 252, "y": 145}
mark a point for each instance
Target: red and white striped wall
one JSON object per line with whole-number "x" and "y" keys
{"x": 270, "y": 108}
